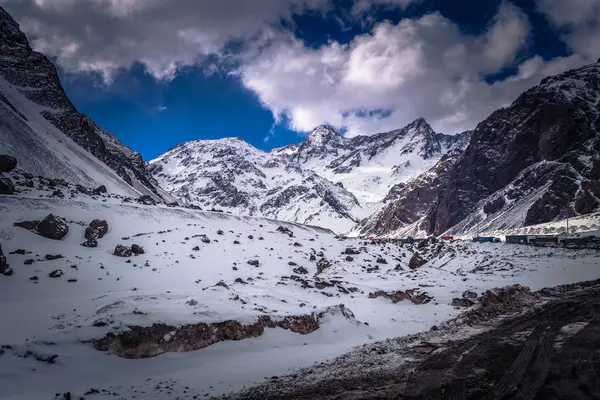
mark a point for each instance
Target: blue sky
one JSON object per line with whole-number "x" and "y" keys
{"x": 161, "y": 72}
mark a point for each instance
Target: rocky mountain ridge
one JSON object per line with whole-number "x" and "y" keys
{"x": 533, "y": 162}
{"x": 29, "y": 89}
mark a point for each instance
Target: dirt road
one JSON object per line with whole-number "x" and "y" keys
{"x": 551, "y": 352}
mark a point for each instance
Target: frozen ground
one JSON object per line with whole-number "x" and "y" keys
{"x": 54, "y": 317}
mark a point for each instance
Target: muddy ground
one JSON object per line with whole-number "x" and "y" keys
{"x": 497, "y": 351}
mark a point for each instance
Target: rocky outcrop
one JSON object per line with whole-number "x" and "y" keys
{"x": 51, "y": 227}
{"x": 7, "y": 163}
{"x": 416, "y": 261}
{"x": 412, "y": 295}
{"x": 145, "y": 342}
{"x": 36, "y": 78}
{"x": 5, "y": 269}
{"x": 122, "y": 251}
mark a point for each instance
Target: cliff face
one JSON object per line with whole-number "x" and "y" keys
{"x": 35, "y": 77}
{"x": 532, "y": 162}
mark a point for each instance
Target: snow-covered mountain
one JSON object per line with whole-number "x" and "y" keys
{"x": 42, "y": 129}
{"x": 533, "y": 162}
{"x": 328, "y": 180}
{"x": 370, "y": 166}
{"x": 232, "y": 175}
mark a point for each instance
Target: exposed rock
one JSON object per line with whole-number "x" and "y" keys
{"x": 296, "y": 244}
{"x": 416, "y": 261}
{"x": 204, "y": 239}
{"x": 7, "y": 163}
{"x": 322, "y": 265}
{"x": 381, "y": 260}
{"x": 137, "y": 249}
{"x": 462, "y": 302}
{"x": 300, "y": 270}
{"x": 99, "y": 190}
{"x": 51, "y": 257}
{"x": 57, "y": 273}
{"x": 412, "y": 295}
{"x": 285, "y": 230}
{"x": 219, "y": 232}
{"x": 122, "y": 251}
{"x": 469, "y": 295}
{"x": 90, "y": 243}
{"x": 4, "y": 267}
{"x": 29, "y": 261}
{"x": 222, "y": 284}
{"x": 147, "y": 200}
{"x": 312, "y": 258}
{"x": 351, "y": 251}
{"x": 96, "y": 229}
{"x": 349, "y": 258}
{"x": 145, "y": 342}
{"x": 254, "y": 263}
{"x": 20, "y": 252}
{"x": 6, "y": 185}
{"x": 52, "y": 227}
{"x": 196, "y": 248}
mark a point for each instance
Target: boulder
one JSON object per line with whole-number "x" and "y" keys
{"x": 137, "y": 249}
{"x": 90, "y": 243}
{"x": 6, "y": 185}
{"x": 462, "y": 302}
{"x": 351, "y": 251}
{"x": 96, "y": 229}
{"x": 52, "y": 227}
{"x": 57, "y": 273}
{"x": 254, "y": 263}
{"x": 147, "y": 200}
{"x": 416, "y": 261}
{"x": 285, "y": 230}
{"x": 322, "y": 265}
{"x": 469, "y": 295}
{"x": 7, "y": 163}
{"x": 4, "y": 268}
{"x": 122, "y": 251}
{"x": 300, "y": 270}
{"x": 99, "y": 190}
{"x": 381, "y": 260}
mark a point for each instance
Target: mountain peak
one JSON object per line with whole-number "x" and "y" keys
{"x": 322, "y": 135}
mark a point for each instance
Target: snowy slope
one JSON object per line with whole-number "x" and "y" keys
{"x": 41, "y": 128}
{"x": 328, "y": 180}
{"x": 369, "y": 166}
{"x": 175, "y": 283}
{"x": 231, "y": 175}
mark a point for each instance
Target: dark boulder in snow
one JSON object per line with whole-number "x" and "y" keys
{"x": 6, "y": 185}
{"x": 52, "y": 227}
{"x": 301, "y": 271}
{"x": 122, "y": 251}
{"x": 96, "y": 229}
{"x": 137, "y": 249}
{"x": 416, "y": 261}
{"x": 52, "y": 257}
{"x": 381, "y": 260}
{"x": 462, "y": 302}
{"x": 57, "y": 273}
{"x": 99, "y": 190}
{"x": 285, "y": 230}
{"x": 4, "y": 268}
{"x": 254, "y": 263}
{"x": 322, "y": 265}
{"x": 90, "y": 243}
{"x": 469, "y": 295}
{"x": 147, "y": 200}
{"x": 7, "y": 163}
{"x": 351, "y": 251}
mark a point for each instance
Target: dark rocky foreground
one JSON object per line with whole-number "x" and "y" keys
{"x": 550, "y": 352}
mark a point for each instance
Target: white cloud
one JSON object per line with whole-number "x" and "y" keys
{"x": 419, "y": 67}
{"x": 579, "y": 21}
{"x": 106, "y": 35}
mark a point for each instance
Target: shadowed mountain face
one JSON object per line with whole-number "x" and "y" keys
{"x": 26, "y": 73}
{"x": 533, "y": 162}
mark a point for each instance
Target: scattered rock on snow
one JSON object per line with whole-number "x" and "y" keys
{"x": 90, "y": 243}
{"x": 322, "y": 265}
{"x": 462, "y": 302}
{"x": 300, "y": 270}
{"x": 57, "y": 273}
{"x": 137, "y": 249}
{"x": 51, "y": 257}
{"x": 416, "y": 261}
{"x": 285, "y": 230}
{"x": 122, "y": 251}
{"x": 254, "y": 263}
{"x": 469, "y": 295}
{"x": 147, "y": 200}
{"x": 96, "y": 229}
